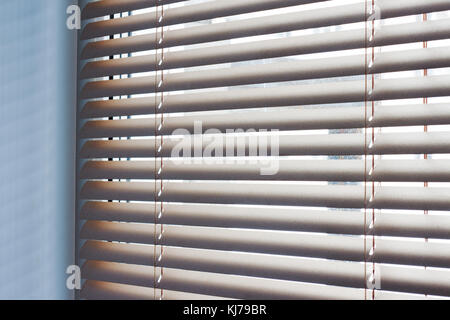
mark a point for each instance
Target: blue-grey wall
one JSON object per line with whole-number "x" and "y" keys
{"x": 37, "y": 148}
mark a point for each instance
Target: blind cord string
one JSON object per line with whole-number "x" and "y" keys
{"x": 425, "y": 127}
{"x": 365, "y": 154}
{"x": 129, "y": 55}
{"x": 372, "y": 226}
{"x": 111, "y": 37}
{"x": 128, "y": 96}
{"x": 425, "y": 101}
{"x": 369, "y": 97}
{"x": 159, "y": 141}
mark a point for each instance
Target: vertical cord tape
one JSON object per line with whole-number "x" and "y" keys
{"x": 159, "y": 141}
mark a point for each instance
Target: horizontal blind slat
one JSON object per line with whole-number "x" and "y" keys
{"x": 338, "y": 273}
{"x": 346, "y": 248}
{"x": 185, "y": 14}
{"x": 264, "y": 266}
{"x": 207, "y": 192}
{"x": 108, "y": 7}
{"x": 270, "y": 218}
{"x": 287, "y": 95}
{"x": 276, "y": 72}
{"x": 285, "y": 194}
{"x": 214, "y": 284}
{"x": 297, "y": 119}
{"x": 229, "y": 30}
{"x": 100, "y": 290}
{"x": 283, "y": 145}
{"x": 322, "y": 42}
{"x": 286, "y": 169}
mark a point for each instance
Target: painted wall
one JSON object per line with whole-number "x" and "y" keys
{"x": 37, "y": 148}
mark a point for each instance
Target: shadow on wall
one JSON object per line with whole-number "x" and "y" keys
{"x": 37, "y": 150}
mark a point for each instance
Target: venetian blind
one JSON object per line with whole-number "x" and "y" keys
{"x": 265, "y": 149}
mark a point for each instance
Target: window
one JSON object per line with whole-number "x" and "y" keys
{"x": 265, "y": 149}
